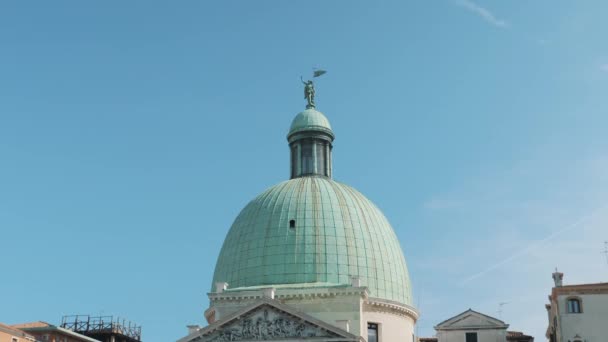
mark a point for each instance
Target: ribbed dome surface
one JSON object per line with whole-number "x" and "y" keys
{"x": 310, "y": 119}
{"x": 338, "y": 234}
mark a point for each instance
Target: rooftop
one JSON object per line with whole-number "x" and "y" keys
{"x": 39, "y": 326}
{"x": 100, "y": 326}
{"x": 593, "y": 288}
{"x": 16, "y": 332}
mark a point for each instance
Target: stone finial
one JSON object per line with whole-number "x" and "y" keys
{"x": 343, "y": 324}
{"x": 557, "y": 278}
{"x": 193, "y": 328}
{"x": 221, "y": 287}
{"x": 269, "y": 292}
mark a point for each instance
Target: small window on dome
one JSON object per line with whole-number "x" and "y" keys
{"x": 292, "y": 224}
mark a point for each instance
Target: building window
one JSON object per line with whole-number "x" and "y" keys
{"x": 294, "y": 161}
{"x": 15, "y": 339}
{"x": 372, "y": 332}
{"x": 470, "y": 337}
{"x": 574, "y": 305}
{"x": 308, "y": 162}
{"x": 292, "y": 223}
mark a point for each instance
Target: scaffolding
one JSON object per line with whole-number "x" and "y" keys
{"x": 103, "y": 328}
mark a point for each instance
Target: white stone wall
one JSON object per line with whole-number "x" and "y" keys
{"x": 331, "y": 310}
{"x": 483, "y": 335}
{"x": 318, "y": 303}
{"x": 391, "y": 327}
{"x": 591, "y": 324}
{"x": 333, "y": 306}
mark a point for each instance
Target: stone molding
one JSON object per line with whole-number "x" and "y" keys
{"x": 390, "y": 307}
{"x": 583, "y": 289}
{"x": 324, "y": 292}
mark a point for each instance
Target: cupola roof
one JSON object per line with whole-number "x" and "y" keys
{"x": 310, "y": 120}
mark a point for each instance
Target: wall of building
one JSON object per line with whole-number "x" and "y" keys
{"x": 6, "y": 337}
{"x": 332, "y": 310}
{"x": 9, "y": 334}
{"x": 10, "y": 337}
{"x": 53, "y": 334}
{"x": 54, "y": 337}
{"x": 391, "y": 327}
{"x": 339, "y": 307}
{"x": 483, "y": 335}
{"x": 591, "y": 324}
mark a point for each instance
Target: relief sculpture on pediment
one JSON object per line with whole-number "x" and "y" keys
{"x": 267, "y": 325}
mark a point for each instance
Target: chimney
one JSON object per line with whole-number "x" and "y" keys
{"x": 557, "y": 278}
{"x": 220, "y": 287}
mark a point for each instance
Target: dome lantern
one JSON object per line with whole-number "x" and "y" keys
{"x": 310, "y": 141}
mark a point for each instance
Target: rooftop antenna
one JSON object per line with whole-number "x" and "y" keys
{"x": 500, "y": 309}
{"x": 605, "y": 251}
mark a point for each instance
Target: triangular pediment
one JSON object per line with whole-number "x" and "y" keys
{"x": 269, "y": 320}
{"x": 471, "y": 320}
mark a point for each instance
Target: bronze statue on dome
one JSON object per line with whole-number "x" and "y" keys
{"x": 309, "y": 93}
{"x": 309, "y": 88}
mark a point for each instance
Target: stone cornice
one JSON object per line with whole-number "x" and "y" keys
{"x": 476, "y": 327}
{"x": 583, "y": 289}
{"x": 302, "y": 293}
{"x": 387, "y": 306}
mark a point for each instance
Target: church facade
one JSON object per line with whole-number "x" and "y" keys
{"x": 310, "y": 259}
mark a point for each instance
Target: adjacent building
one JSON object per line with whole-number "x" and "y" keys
{"x": 45, "y": 332}
{"x": 103, "y": 328}
{"x": 473, "y": 326}
{"x": 75, "y": 328}
{"x": 310, "y": 258}
{"x": 518, "y": 336}
{"x": 577, "y": 313}
{"x": 11, "y": 334}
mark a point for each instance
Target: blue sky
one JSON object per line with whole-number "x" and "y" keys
{"x": 132, "y": 133}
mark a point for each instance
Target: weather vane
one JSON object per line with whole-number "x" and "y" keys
{"x": 309, "y": 88}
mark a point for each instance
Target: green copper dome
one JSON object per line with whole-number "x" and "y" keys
{"x": 311, "y": 231}
{"x": 314, "y": 230}
{"x": 310, "y": 120}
